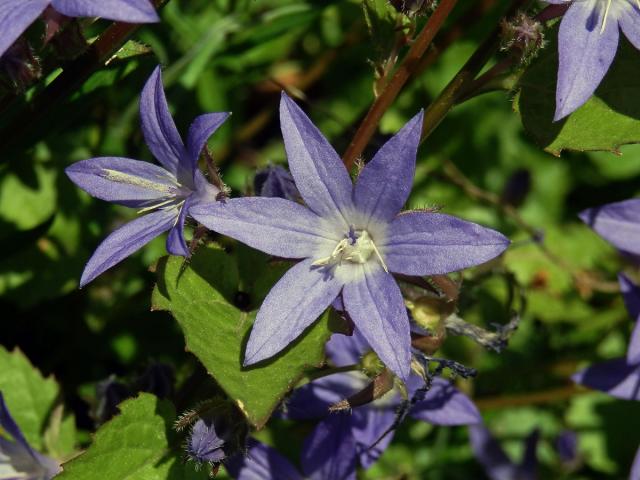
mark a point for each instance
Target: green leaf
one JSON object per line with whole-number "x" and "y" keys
{"x": 216, "y": 331}
{"x": 611, "y": 117}
{"x": 130, "y": 50}
{"x": 29, "y": 396}
{"x": 137, "y": 444}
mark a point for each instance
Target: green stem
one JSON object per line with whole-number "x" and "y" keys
{"x": 457, "y": 88}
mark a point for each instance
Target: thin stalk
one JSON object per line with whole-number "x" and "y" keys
{"x": 441, "y": 106}
{"x": 388, "y": 95}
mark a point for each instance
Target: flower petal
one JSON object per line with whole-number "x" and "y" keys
{"x": 585, "y": 54}
{"x": 618, "y": 223}
{"x": 176, "y": 244}
{"x": 126, "y": 240}
{"x": 491, "y": 455}
{"x": 384, "y": 184}
{"x": 631, "y": 295}
{"x": 329, "y": 451}
{"x": 614, "y": 377}
{"x": 199, "y": 132}
{"x": 629, "y": 21}
{"x": 159, "y": 130}
{"x": 635, "y": 468}
{"x": 130, "y": 11}
{"x": 376, "y": 307}
{"x": 368, "y": 425}
{"x": 346, "y": 350}
{"x": 9, "y": 425}
{"x": 528, "y": 469}
{"x": 430, "y": 243}
{"x": 320, "y": 175}
{"x": 294, "y": 303}
{"x": 15, "y": 18}
{"x": 444, "y": 404}
{"x": 261, "y": 462}
{"x": 274, "y": 225}
{"x": 127, "y": 182}
{"x": 313, "y": 399}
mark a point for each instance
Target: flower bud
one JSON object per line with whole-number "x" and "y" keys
{"x": 20, "y": 65}
{"x": 158, "y": 378}
{"x": 109, "y": 394}
{"x": 218, "y": 431}
{"x": 275, "y": 181}
{"x": 430, "y": 312}
{"x": 413, "y": 7}
{"x": 524, "y": 35}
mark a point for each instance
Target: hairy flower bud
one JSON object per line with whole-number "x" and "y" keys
{"x": 413, "y": 7}
{"x": 524, "y": 36}
{"x": 20, "y": 65}
{"x": 218, "y": 431}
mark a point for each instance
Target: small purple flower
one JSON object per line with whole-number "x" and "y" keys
{"x": 208, "y": 441}
{"x": 350, "y": 238}
{"x": 370, "y": 427}
{"x": 495, "y": 461}
{"x": 587, "y": 44}
{"x": 635, "y": 468}
{"x": 17, "y": 15}
{"x": 167, "y": 192}
{"x": 619, "y": 377}
{"x": 17, "y": 459}
{"x": 265, "y": 463}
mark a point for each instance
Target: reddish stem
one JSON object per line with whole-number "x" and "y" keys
{"x": 392, "y": 89}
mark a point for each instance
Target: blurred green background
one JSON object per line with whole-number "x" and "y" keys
{"x": 226, "y": 55}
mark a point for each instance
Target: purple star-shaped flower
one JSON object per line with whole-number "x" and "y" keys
{"x": 350, "y": 237}
{"x": 619, "y": 377}
{"x": 265, "y": 463}
{"x": 17, "y": 15}
{"x": 587, "y": 44}
{"x": 495, "y": 461}
{"x": 365, "y": 426}
{"x": 17, "y": 459}
{"x": 167, "y": 192}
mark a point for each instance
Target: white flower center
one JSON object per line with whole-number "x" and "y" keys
{"x": 357, "y": 247}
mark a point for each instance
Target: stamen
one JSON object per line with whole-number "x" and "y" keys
{"x": 121, "y": 177}
{"x": 155, "y": 206}
{"x": 606, "y": 14}
{"x": 375, "y": 249}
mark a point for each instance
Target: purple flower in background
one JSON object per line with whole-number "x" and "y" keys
{"x": 587, "y": 44}
{"x": 167, "y": 192}
{"x": 567, "y": 447}
{"x": 17, "y": 15}
{"x": 350, "y": 238}
{"x": 618, "y": 223}
{"x": 365, "y": 426}
{"x": 276, "y": 181}
{"x": 619, "y": 377}
{"x": 495, "y": 461}
{"x": 17, "y": 459}
{"x": 265, "y": 463}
